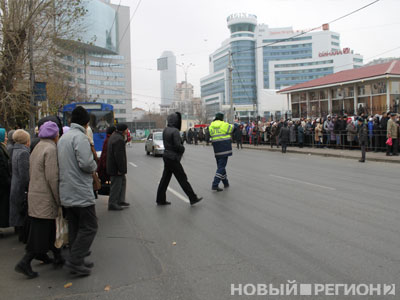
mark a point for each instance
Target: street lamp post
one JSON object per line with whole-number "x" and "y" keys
{"x": 185, "y": 69}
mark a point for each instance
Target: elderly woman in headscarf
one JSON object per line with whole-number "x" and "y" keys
{"x": 19, "y": 182}
{"x": 5, "y": 180}
{"x": 43, "y": 200}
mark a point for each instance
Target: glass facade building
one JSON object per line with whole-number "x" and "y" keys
{"x": 265, "y": 59}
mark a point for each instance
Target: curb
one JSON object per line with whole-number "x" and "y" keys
{"x": 327, "y": 155}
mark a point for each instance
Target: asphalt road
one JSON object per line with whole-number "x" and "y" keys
{"x": 284, "y": 218}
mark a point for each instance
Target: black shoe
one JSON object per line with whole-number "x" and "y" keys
{"x": 198, "y": 199}
{"x": 361, "y": 160}
{"x": 44, "y": 258}
{"x": 164, "y": 203}
{"x": 226, "y": 185}
{"x": 26, "y": 269}
{"x": 115, "y": 207}
{"x": 124, "y": 204}
{"x": 58, "y": 261}
{"x": 218, "y": 189}
{"x": 88, "y": 264}
{"x": 79, "y": 270}
{"x": 389, "y": 154}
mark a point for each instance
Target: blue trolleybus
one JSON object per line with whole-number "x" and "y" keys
{"x": 101, "y": 117}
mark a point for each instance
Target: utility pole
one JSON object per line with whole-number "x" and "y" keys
{"x": 31, "y": 75}
{"x": 230, "y": 69}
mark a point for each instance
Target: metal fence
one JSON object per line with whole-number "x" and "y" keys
{"x": 341, "y": 140}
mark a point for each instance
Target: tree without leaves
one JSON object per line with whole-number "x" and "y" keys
{"x": 49, "y": 21}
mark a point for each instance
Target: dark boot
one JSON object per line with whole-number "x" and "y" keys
{"x": 58, "y": 259}
{"x": 43, "y": 257}
{"x": 24, "y": 266}
{"x": 79, "y": 270}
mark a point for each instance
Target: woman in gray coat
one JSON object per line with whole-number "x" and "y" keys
{"x": 19, "y": 182}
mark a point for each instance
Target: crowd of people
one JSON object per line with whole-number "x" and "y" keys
{"x": 56, "y": 174}
{"x": 332, "y": 132}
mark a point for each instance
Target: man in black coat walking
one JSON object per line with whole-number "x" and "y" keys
{"x": 172, "y": 156}
{"x": 117, "y": 168}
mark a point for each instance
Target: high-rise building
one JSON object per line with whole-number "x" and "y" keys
{"x": 100, "y": 63}
{"x": 266, "y": 59}
{"x": 166, "y": 64}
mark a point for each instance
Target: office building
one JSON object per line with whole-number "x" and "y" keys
{"x": 99, "y": 64}
{"x": 266, "y": 59}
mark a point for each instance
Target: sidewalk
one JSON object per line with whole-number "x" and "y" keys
{"x": 350, "y": 154}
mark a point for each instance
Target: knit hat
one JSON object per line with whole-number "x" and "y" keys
{"x": 2, "y": 135}
{"x": 219, "y": 116}
{"x": 122, "y": 127}
{"x": 49, "y": 130}
{"x": 80, "y": 116}
{"x": 110, "y": 130}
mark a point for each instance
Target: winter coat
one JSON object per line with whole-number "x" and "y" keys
{"x": 116, "y": 155}
{"x": 220, "y": 133}
{"x": 392, "y": 129}
{"x": 292, "y": 130}
{"x": 43, "y": 195}
{"x": 102, "y": 166}
{"x": 5, "y": 183}
{"x": 331, "y": 127}
{"x": 237, "y": 133}
{"x": 351, "y": 132}
{"x": 318, "y": 132}
{"x": 19, "y": 185}
{"x": 300, "y": 131}
{"x": 76, "y": 165}
{"x": 174, "y": 148}
{"x": 363, "y": 134}
{"x": 284, "y": 135}
{"x": 370, "y": 129}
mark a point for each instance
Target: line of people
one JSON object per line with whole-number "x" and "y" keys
{"x": 53, "y": 175}
{"x": 332, "y": 132}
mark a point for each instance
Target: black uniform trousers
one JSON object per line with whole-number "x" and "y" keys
{"x": 174, "y": 167}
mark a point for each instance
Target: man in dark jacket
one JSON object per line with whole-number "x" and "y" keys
{"x": 117, "y": 168}
{"x": 237, "y": 133}
{"x": 362, "y": 137}
{"x": 172, "y": 156}
{"x": 284, "y": 136}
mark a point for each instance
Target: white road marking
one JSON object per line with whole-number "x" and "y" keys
{"x": 304, "y": 182}
{"x": 183, "y": 198}
{"x": 132, "y": 164}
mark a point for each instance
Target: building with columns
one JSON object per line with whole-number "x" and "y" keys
{"x": 372, "y": 90}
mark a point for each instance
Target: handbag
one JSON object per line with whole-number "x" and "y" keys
{"x": 96, "y": 182}
{"x": 61, "y": 230}
{"x": 389, "y": 142}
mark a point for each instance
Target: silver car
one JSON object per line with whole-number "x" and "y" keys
{"x": 154, "y": 144}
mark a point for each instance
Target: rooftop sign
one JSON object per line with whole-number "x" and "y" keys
{"x": 241, "y": 15}
{"x": 334, "y": 53}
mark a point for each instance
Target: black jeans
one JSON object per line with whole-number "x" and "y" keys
{"x": 82, "y": 228}
{"x": 174, "y": 167}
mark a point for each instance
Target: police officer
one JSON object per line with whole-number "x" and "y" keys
{"x": 220, "y": 134}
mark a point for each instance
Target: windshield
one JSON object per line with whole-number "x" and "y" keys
{"x": 99, "y": 120}
{"x": 158, "y": 136}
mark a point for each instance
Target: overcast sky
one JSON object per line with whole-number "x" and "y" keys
{"x": 193, "y": 29}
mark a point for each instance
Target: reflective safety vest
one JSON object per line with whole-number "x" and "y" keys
{"x": 220, "y": 134}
